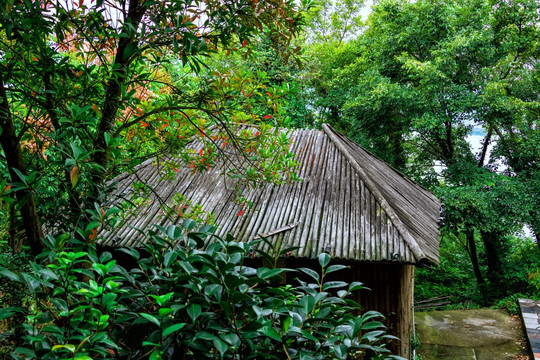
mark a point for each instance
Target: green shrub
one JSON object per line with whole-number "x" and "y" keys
{"x": 453, "y": 277}
{"x": 12, "y": 294}
{"x": 182, "y": 302}
{"x": 510, "y": 303}
{"x": 520, "y": 274}
{"x": 522, "y": 266}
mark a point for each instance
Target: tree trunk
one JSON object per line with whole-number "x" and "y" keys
{"x": 12, "y": 150}
{"x": 15, "y": 242}
{"x": 396, "y": 139}
{"x": 535, "y": 229}
{"x": 493, "y": 253}
{"x": 471, "y": 247}
{"x": 113, "y": 96}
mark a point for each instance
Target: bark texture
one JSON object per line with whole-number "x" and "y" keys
{"x": 12, "y": 150}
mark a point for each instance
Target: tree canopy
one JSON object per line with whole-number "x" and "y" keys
{"x": 90, "y": 88}
{"x": 419, "y": 80}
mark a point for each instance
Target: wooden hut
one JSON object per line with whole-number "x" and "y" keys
{"x": 349, "y": 203}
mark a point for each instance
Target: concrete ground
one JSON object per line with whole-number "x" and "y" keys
{"x": 484, "y": 334}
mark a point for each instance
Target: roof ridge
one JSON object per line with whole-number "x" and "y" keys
{"x": 405, "y": 234}
{"x": 401, "y": 174}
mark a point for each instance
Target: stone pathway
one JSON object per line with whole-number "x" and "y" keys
{"x": 484, "y": 334}
{"x": 530, "y": 313}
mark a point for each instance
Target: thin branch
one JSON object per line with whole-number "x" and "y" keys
{"x": 148, "y": 114}
{"x": 487, "y": 140}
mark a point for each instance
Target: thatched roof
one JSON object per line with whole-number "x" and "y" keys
{"x": 349, "y": 203}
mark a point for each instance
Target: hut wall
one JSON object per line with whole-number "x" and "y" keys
{"x": 406, "y": 310}
{"x": 391, "y": 294}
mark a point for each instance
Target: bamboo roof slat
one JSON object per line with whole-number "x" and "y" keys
{"x": 349, "y": 203}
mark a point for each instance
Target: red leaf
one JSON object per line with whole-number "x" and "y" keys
{"x": 241, "y": 212}
{"x": 175, "y": 169}
{"x": 7, "y": 188}
{"x": 74, "y": 176}
{"x": 144, "y": 124}
{"x": 267, "y": 116}
{"x": 201, "y": 152}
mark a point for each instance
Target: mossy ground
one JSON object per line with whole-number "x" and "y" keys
{"x": 481, "y": 334}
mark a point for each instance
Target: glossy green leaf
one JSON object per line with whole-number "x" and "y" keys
{"x": 312, "y": 273}
{"x": 194, "y": 310}
{"x": 173, "y": 328}
{"x": 324, "y": 259}
{"x": 220, "y": 345}
{"x": 150, "y": 318}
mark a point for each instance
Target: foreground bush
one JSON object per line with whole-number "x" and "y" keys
{"x": 181, "y": 302}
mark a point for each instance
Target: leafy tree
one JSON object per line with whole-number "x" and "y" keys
{"x": 417, "y": 81}
{"x": 330, "y": 45}
{"x": 334, "y": 22}
{"x": 79, "y": 80}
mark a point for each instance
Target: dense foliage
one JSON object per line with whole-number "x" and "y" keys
{"x": 415, "y": 83}
{"x": 88, "y": 89}
{"x": 454, "y": 278}
{"x": 184, "y": 301}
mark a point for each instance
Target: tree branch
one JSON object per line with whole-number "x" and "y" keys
{"x": 485, "y": 145}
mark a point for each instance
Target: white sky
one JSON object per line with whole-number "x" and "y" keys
{"x": 367, "y": 9}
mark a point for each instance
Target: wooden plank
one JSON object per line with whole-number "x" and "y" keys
{"x": 339, "y": 240}
{"x": 297, "y": 197}
{"x": 258, "y": 214}
{"x": 330, "y": 241}
{"x": 289, "y": 193}
{"x": 530, "y": 315}
{"x": 328, "y": 197}
{"x": 356, "y": 217}
{"x": 436, "y": 298}
{"x": 383, "y": 239}
{"x": 318, "y": 194}
{"x": 372, "y": 226}
{"x": 310, "y": 209}
{"x": 367, "y": 222}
